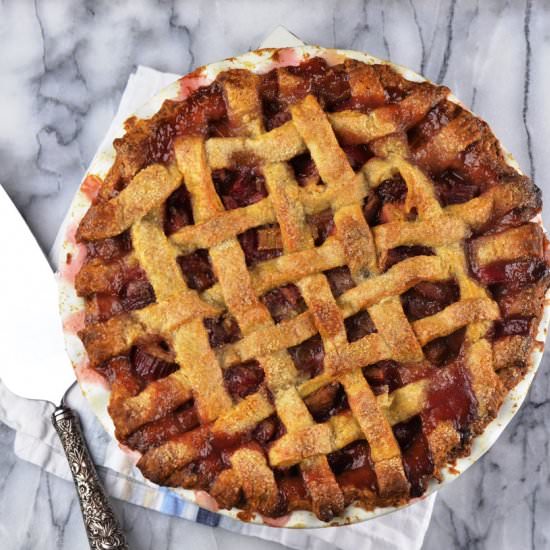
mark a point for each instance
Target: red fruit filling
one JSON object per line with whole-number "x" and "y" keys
{"x": 321, "y": 226}
{"x": 239, "y": 187}
{"x": 111, "y": 248}
{"x": 428, "y": 298}
{"x": 197, "y": 270}
{"x": 308, "y": 356}
{"x": 261, "y": 243}
{"x": 222, "y": 330}
{"x": 359, "y": 325}
{"x": 339, "y": 280}
{"x": 150, "y": 363}
{"x": 305, "y": 170}
{"x": 284, "y": 302}
{"x": 417, "y": 458}
{"x": 352, "y": 464}
{"x": 400, "y": 253}
{"x": 452, "y": 188}
{"x": 178, "y": 212}
{"x": 243, "y": 379}
{"x": 327, "y": 401}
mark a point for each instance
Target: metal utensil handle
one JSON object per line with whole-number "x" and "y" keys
{"x": 102, "y": 528}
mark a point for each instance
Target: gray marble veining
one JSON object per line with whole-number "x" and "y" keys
{"x": 63, "y": 66}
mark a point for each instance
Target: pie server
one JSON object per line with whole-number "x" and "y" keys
{"x": 41, "y": 369}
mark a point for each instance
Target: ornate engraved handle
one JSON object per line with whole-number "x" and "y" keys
{"x": 102, "y": 528}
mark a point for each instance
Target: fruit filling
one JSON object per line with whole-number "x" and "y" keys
{"x": 321, "y": 226}
{"x": 177, "y": 211}
{"x": 222, "y": 330}
{"x": 428, "y": 298}
{"x": 261, "y": 243}
{"x": 197, "y": 270}
{"x": 239, "y": 187}
{"x": 308, "y": 356}
{"x": 243, "y": 379}
{"x": 284, "y": 302}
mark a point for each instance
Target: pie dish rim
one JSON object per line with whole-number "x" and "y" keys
{"x": 71, "y": 306}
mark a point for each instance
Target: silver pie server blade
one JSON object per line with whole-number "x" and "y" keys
{"x": 35, "y": 365}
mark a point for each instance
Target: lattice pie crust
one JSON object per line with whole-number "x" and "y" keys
{"x": 309, "y": 288}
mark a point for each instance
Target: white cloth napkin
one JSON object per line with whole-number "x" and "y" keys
{"x": 37, "y": 442}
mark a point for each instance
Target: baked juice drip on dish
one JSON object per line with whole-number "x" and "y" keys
{"x": 309, "y": 288}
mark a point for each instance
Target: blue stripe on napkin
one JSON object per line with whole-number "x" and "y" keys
{"x": 207, "y": 518}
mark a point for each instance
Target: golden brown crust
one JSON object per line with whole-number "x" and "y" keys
{"x": 148, "y": 189}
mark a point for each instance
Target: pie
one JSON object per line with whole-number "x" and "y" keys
{"x": 311, "y": 287}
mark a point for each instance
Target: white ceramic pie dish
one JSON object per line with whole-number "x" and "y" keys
{"x": 72, "y": 307}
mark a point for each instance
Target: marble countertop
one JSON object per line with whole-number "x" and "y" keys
{"x": 62, "y": 70}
